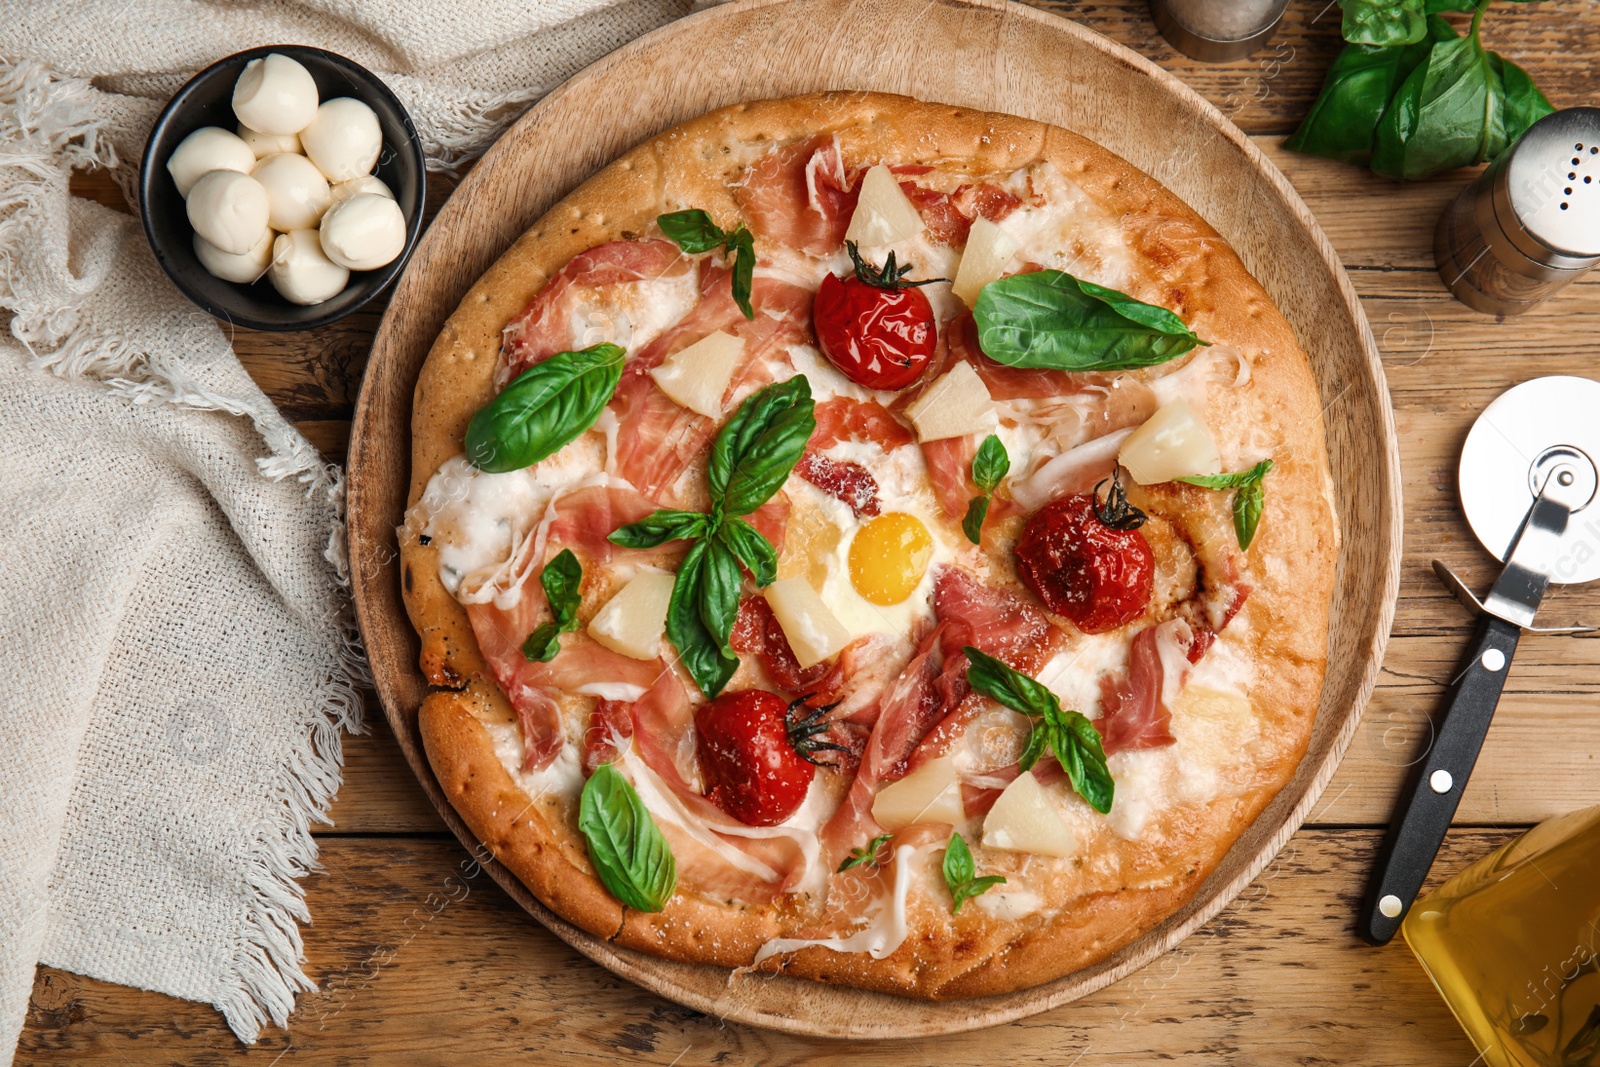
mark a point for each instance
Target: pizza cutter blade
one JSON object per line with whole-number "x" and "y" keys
{"x": 1528, "y": 481}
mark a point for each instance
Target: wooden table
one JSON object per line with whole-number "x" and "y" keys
{"x": 420, "y": 959}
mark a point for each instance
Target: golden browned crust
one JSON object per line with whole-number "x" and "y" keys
{"x": 1183, "y": 264}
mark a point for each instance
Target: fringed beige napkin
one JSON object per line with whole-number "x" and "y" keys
{"x": 179, "y": 656}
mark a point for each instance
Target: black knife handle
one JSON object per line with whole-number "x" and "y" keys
{"x": 1429, "y": 801}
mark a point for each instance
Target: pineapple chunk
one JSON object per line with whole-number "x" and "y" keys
{"x": 1024, "y": 820}
{"x": 697, "y": 377}
{"x": 989, "y": 250}
{"x": 813, "y": 631}
{"x": 883, "y": 214}
{"x": 1214, "y": 726}
{"x": 953, "y": 406}
{"x": 928, "y": 794}
{"x": 632, "y": 622}
{"x": 1172, "y": 443}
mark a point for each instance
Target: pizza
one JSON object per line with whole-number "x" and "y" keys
{"x": 879, "y": 541}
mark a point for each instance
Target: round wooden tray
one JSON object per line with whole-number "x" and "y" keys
{"x": 987, "y": 54}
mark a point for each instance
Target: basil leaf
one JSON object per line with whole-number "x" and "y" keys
{"x": 561, "y": 579}
{"x": 1003, "y": 683}
{"x": 757, "y": 448}
{"x": 958, "y": 874}
{"x": 1433, "y": 7}
{"x": 1076, "y": 745}
{"x": 700, "y": 615}
{"x": 626, "y": 847}
{"x": 1038, "y": 744}
{"x": 1442, "y": 114}
{"x": 1384, "y": 22}
{"x": 991, "y": 464}
{"x": 659, "y": 527}
{"x": 752, "y": 549}
{"x": 869, "y": 854}
{"x": 1522, "y": 104}
{"x": 1248, "y": 504}
{"x": 1068, "y": 734}
{"x": 1237, "y": 480}
{"x": 972, "y": 521}
{"x": 741, "y": 245}
{"x": 547, "y": 407}
{"x": 692, "y": 230}
{"x": 1050, "y": 319}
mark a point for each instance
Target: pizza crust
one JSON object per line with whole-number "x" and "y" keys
{"x": 1186, "y": 266}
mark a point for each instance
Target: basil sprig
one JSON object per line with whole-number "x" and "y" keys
{"x": 1249, "y": 497}
{"x": 561, "y": 579}
{"x": 1068, "y": 735}
{"x": 750, "y": 460}
{"x": 959, "y": 870}
{"x": 1052, "y": 320}
{"x": 546, "y": 408}
{"x": 1411, "y": 97}
{"x": 695, "y": 232}
{"x": 867, "y": 855}
{"x": 626, "y": 847}
{"x": 991, "y": 464}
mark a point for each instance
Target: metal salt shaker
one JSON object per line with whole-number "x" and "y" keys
{"x": 1530, "y": 224}
{"x": 1217, "y": 31}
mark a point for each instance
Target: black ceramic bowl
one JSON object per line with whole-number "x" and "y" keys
{"x": 208, "y": 101}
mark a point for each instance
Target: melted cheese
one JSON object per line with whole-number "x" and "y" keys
{"x": 633, "y": 314}
{"x": 563, "y": 777}
{"x": 1070, "y": 231}
{"x": 1074, "y": 673}
{"x": 1008, "y": 904}
{"x": 881, "y": 932}
{"x": 481, "y": 523}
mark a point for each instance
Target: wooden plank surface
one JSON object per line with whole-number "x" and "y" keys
{"x": 420, "y": 963}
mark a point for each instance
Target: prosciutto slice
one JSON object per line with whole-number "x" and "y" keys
{"x": 1135, "y": 713}
{"x": 656, "y": 439}
{"x": 545, "y": 326}
{"x": 949, "y": 216}
{"x": 800, "y": 196}
{"x": 842, "y": 418}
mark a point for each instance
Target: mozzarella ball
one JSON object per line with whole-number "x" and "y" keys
{"x": 364, "y": 232}
{"x": 301, "y": 273}
{"x": 268, "y": 144}
{"x": 297, "y": 193}
{"x": 228, "y": 209}
{"x": 366, "y": 184}
{"x": 344, "y": 139}
{"x": 208, "y": 148}
{"x": 275, "y": 95}
{"x": 231, "y": 268}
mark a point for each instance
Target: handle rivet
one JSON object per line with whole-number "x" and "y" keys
{"x": 1493, "y": 659}
{"x": 1440, "y": 781}
{"x": 1390, "y": 906}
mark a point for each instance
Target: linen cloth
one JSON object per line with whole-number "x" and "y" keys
{"x": 181, "y": 659}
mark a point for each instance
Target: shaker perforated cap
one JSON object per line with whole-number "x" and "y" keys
{"x": 1551, "y": 184}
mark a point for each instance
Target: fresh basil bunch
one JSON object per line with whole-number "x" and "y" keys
{"x": 546, "y": 408}
{"x": 1050, "y": 319}
{"x": 750, "y": 460}
{"x": 1411, "y": 97}
{"x": 1068, "y": 735}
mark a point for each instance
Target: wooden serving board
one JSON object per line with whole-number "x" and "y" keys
{"x": 988, "y": 54}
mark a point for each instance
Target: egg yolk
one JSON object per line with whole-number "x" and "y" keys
{"x": 889, "y": 556}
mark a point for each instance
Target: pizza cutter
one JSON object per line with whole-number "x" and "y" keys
{"x": 1528, "y": 482}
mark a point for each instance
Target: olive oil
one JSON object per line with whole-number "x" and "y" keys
{"x": 1513, "y": 944}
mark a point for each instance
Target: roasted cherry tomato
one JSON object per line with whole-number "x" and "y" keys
{"x": 874, "y": 325}
{"x": 756, "y": 753}
{"x": 1088, "y": 561}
